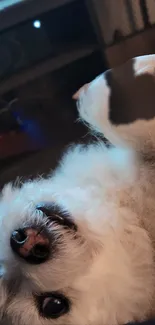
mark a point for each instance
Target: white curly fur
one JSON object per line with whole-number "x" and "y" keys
{"x": 107, "y": 272}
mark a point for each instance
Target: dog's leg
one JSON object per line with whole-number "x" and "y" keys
{"x": 93, "y": 106}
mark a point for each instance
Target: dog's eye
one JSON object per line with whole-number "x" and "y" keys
{"x": 53, "y": 305}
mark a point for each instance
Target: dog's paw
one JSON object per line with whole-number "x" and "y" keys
{"x": 93, "y": 104}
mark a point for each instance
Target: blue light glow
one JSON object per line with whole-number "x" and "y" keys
{"x": 37, "y": 24}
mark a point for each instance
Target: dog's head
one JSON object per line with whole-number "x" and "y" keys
{"x": 76, "y": 248}
{"x": 68, "y": 254}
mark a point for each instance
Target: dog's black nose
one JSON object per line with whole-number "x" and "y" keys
{"x": 30, "y": 244}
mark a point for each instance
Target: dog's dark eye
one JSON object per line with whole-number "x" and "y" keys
{"x": 53, "y": 305}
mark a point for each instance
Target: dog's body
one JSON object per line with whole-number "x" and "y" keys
{"x": 105, "y": 268}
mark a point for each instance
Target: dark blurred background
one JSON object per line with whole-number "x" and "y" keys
{"x": 48, "y": 49}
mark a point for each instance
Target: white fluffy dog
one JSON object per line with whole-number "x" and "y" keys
{"x": 77, "y": 248}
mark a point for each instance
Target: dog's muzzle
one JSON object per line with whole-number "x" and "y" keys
{"x": 33, "y": 244}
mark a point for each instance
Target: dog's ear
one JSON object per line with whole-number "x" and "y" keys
{"x": 120, "y": 103}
